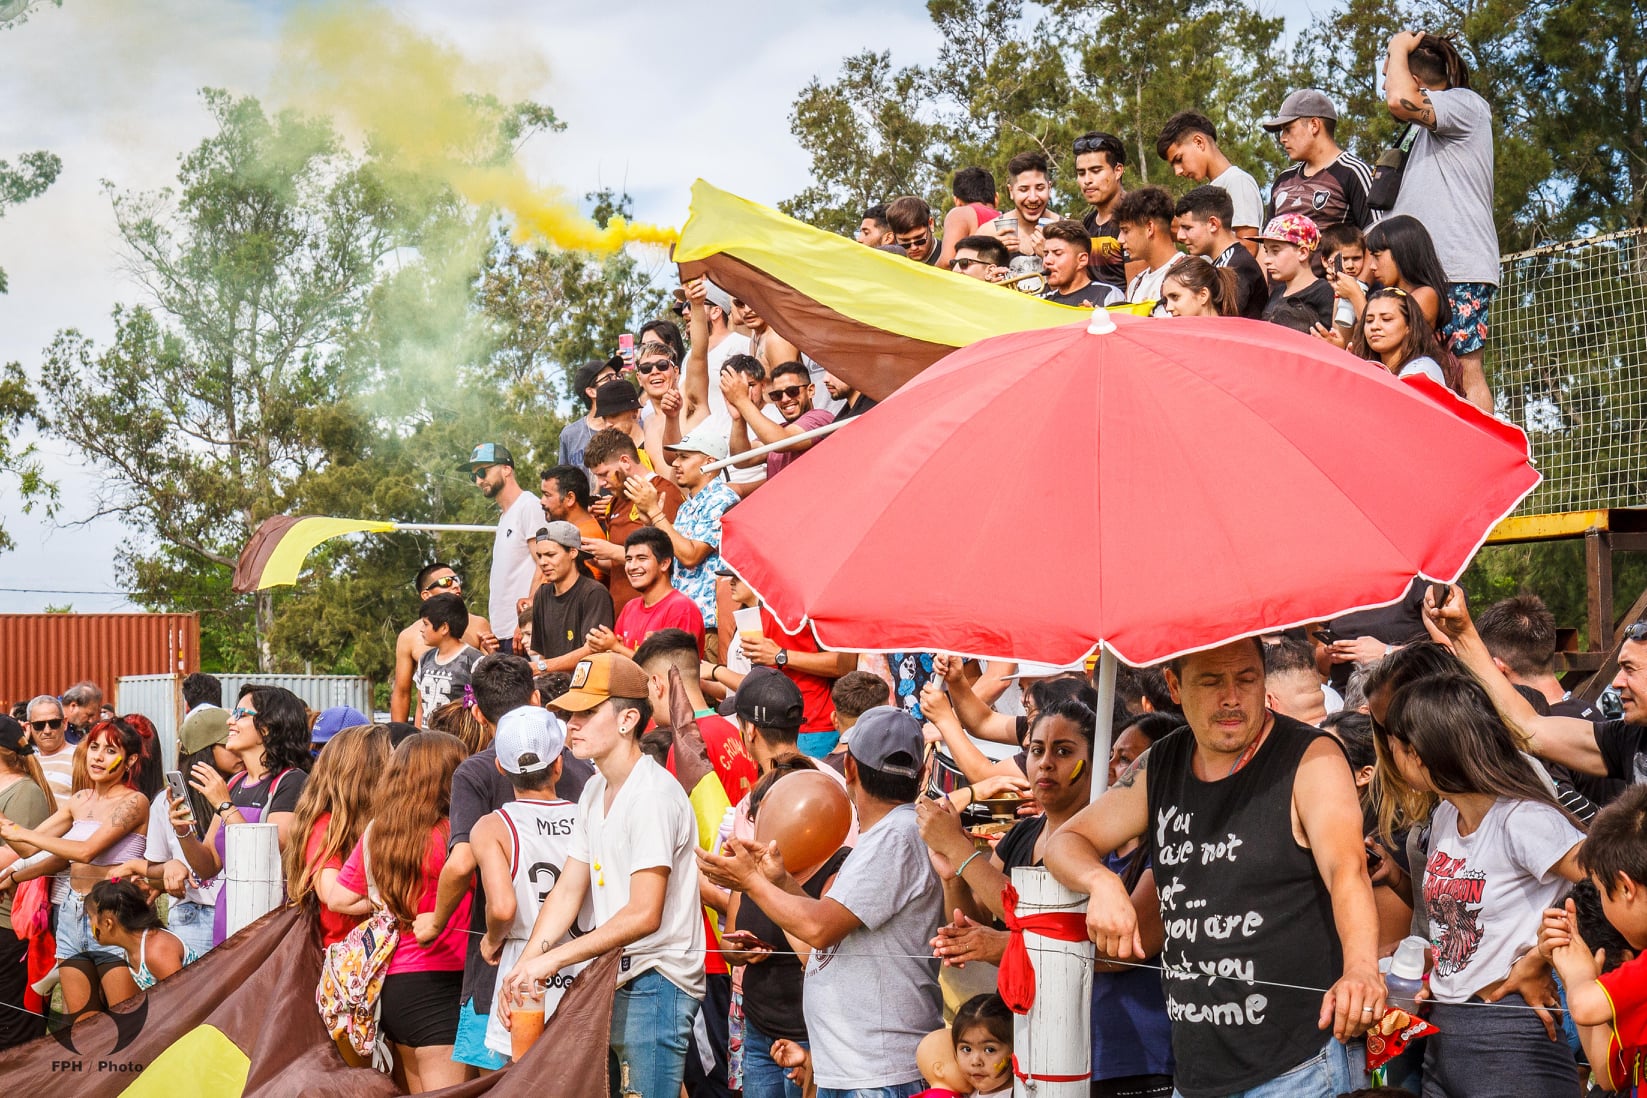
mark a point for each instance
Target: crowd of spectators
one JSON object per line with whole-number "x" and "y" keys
{"x": 1281, "y": 813}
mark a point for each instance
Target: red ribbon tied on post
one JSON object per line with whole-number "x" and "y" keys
{"x": 1017, "y": 977}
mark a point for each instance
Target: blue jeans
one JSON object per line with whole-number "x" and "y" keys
{"x": 762, "y": 1077}
{"x": 901, "y": 1090}
{"x": 1327, "y": 1074}
{"x": 192, "y": 923}
{"x": 651, "y": 1025}
{"x": 74, "y": 936}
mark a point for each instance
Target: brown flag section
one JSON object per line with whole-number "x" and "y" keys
{"x": 275, "y": 552}
{"x": 871, "y": 318}
{"x": 241, "y": 1022}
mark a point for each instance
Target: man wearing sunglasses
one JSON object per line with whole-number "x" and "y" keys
{"x": 575, "y": 435}
{"x": 47, "y": 731}
{"x": 433, "y": 579}
{"x": 791, "y": 393}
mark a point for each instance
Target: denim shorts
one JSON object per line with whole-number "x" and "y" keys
{"x": 1329, "y": 1073}
{"x": 192, "y": 923}
{"x": 74, "y": 936}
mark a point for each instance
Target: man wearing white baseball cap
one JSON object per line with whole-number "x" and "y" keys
{"x": 521, "y": 849}
{"x": 695, "y": 531}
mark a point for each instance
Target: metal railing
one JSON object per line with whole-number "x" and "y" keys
{"x": 1567, "y": 360}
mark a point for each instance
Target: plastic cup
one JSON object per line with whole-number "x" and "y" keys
{"x": 525, "y": 1026}
{"x": 748, "y": 621}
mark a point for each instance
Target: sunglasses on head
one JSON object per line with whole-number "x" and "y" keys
{"x": 793, "y": 392}
{"x": 443, "y": 583}
{"x": 1636, "y": 632}
{"x": 41, "y": 726}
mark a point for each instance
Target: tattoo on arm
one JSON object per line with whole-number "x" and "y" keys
{"x": 127, "y": 814}
{"x": 1423, "y": 112}
{"x": 1133, "y": 772}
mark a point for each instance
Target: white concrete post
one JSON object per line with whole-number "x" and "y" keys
{"x": 254, "y": 884}
{"x": 1055, "y": 1037}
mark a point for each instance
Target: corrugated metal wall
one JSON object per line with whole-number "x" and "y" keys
{"x": 47, "y": 653}
{"x": 160, "y": 697}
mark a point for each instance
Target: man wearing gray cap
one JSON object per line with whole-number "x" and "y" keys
{"x": 870, "y": 932}
{"x": 1324, "y": 183}
{"x": 568, "y": 604}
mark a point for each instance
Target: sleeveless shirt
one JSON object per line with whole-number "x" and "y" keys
{"x": 1241, "y": 901}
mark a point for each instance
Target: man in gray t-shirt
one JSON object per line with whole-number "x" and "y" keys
{"x": 871, "y": 990}
{"x": 1448, "y": 185}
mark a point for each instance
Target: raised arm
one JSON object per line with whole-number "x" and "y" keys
{"x": 1406, "y": 98}
{"x": 695, "y": 379}
{"x": 974, "y": 713}
{"x": 1566, "y": 740}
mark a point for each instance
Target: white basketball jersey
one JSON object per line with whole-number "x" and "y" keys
{"x": 540, "y": 842}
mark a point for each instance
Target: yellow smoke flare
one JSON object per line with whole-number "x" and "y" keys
{"x": 418, "y": 104}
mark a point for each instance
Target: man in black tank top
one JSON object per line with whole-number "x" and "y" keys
{"x": 1254, "y": 828}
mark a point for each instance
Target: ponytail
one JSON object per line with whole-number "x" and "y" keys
{"x": 1222, "y": 284}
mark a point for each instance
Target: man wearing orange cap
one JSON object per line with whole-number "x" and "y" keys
{"x": 633, "y": 853}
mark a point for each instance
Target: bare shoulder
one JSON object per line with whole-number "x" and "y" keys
{"x": 410, "y": 642}
{"x": 130, "y": 812}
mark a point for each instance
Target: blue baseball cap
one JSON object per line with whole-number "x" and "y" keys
{"x": 334, "y": 720}
{"x": 488, "y": 453}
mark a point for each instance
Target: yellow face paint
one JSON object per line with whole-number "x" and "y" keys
{"x": 1080, "y": 764}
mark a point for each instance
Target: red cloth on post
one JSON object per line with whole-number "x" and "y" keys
{"x": 1017, "y": 978}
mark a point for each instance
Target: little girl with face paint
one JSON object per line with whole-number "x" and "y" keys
{"x": 983, "y": 1045}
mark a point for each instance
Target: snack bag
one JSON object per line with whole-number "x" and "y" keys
{"x": 1391, "y": 1036}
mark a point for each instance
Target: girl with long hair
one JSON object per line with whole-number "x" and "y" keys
{"x": 1501, "y": 850}
{"x": 151, "y": 770}
{"x": 269, "y": 733}
{"x": 396, "y": 866}
{"x": 1392, "y": 330}
{"x": 98, "y": 828}
{"x": 461, "y": 718}
{"x": 121, "y": 916}
{"x": 192, "y": 915}
{"x": 26, "y": 797}
{"x": 1194, "y": 287}
{"x": 331, "y": 816}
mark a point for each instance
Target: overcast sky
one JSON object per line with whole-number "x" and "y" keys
{"x": 110, "y": 86}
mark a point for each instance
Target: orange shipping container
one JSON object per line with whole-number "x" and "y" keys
{"x": 47, "y": 653}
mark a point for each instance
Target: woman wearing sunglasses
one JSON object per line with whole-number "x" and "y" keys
{"x": 269, "y": 732}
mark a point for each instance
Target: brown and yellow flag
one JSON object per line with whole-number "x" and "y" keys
{"x": 241, "y": 1022}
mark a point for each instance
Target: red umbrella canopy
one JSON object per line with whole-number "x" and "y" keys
{"x": 1162, "y": 486}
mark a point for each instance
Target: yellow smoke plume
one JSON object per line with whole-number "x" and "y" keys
{"x": 425, "y": 108}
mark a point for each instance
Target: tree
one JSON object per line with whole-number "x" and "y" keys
{"x": 213, "y": 399}
{"x": 868, "y": 140}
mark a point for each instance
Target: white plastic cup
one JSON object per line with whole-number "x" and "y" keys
{"x": 748, "y": 621}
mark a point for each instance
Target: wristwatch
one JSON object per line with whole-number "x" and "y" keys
{"x": 224, "y": 807}
{"x": 782, "y": 658}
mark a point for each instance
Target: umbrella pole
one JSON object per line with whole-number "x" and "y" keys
{"x": 1107, "y": 666}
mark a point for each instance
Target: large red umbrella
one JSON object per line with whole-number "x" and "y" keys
{"x": 1154, "y": 485}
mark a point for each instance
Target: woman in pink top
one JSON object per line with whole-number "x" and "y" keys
{"x": 396, "y": 866}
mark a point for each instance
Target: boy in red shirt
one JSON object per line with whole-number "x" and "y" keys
{"x": 1609, "y": 1008}
{"x": 648, "y": 560}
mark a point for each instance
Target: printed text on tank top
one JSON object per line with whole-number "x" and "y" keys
{"x": 514, "y": 835}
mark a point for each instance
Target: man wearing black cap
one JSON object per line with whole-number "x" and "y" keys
{"x": 493, "y": 468}
{"x": 869, "y": 933}
{"x": 575, "y": 435}
{"x": 1324, "y": 183}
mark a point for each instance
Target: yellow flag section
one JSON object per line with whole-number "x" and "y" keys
{"x": 872, "y": 318}
{"x": 203, "y": 1063}
{"x": 274, "y": 556}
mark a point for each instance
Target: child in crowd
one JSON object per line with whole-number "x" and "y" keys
{"x": 1609, "y": 1007}
{"x": 1285, "y": 246}
{"x": 983, "y": 1045}
{"x": 121, "y": 916}
{"x": 854, "y": 694}
{"x": 1343, "y": 248}
{"x": 521, "y": 849}
{"x": 443, "y": 671}
{"x": 1500, "y": 848}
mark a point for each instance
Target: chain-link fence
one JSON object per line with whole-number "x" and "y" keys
{"x": 1567, "y": 360}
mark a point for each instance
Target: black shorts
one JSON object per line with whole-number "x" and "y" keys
{"x": 421, "y": 1008}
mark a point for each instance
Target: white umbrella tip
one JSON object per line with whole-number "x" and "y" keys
{"x": 1102, "y": 323}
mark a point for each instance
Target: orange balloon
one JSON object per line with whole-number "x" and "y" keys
{"x": 809, "y": 816}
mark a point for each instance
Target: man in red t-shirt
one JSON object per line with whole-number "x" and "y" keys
{"x": 648, "y": 559}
